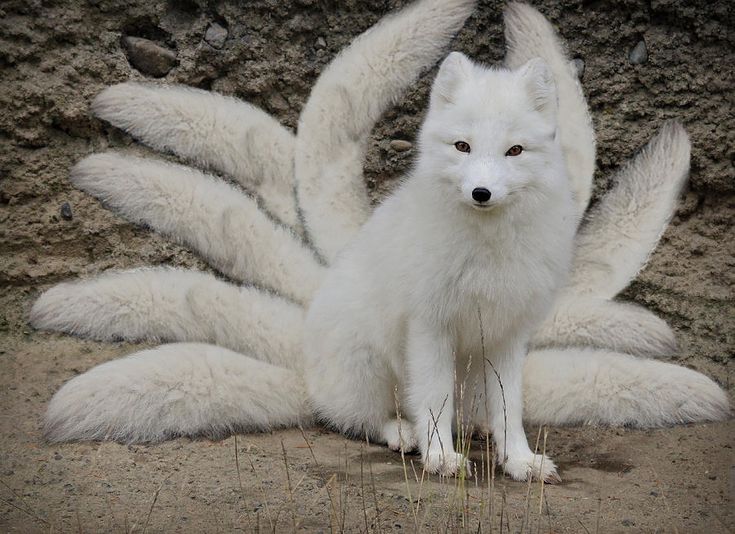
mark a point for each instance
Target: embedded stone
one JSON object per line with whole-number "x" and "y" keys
{"x": 639, "y": 54}
{"x": 149, "y": 57}
{"x": 216, "y": 35}
{"x": 399, "y": 145}
{"x": 66, "y": 212}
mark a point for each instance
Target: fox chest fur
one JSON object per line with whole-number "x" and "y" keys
{"x": 447, "y": 266}
{"x": 500, "y": 269}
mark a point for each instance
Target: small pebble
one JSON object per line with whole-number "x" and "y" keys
{"x": 148, "y": 57}
{"x": 628, "y": 523}
{"x": 66, "y": 212}
{"x": 578, "y": 64}
{"x": 277, "y": 102}
{"x": 639, "y": 54}
{"x": 321, "y": 43}
{"x": 399, "y": 145}
{"x": 216, "y": 35}
{"x": 57, "y": 456}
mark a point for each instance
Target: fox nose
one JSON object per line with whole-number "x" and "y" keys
{"x": 480, "y": 194}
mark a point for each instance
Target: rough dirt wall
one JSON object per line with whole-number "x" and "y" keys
{"x": 55, "y": 56}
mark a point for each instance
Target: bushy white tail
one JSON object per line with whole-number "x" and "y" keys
{"x": 527, "y": 35}
{"x": 597, "y": 387}
{"x": 183, "y": 389}
{"x": 209, "y": 215}
{"x": 213, "y": 131}
{"x": 164, "y": 304}
{"x": 347, "y": 101}
{"x": 621, "y": 230}
{"x": 581, "y": 321}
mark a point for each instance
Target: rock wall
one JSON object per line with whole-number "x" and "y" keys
{"x": 644, "y": 63}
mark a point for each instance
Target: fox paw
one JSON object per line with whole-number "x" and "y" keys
{"x": 536, "y": 466}
{"x": 447, "y": 464}
{"x": 400, "y": 436}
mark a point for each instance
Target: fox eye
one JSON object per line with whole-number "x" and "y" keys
{"x": 515, "y": 150}
{"x": 462, "y": 146}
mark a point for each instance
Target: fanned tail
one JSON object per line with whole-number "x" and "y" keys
{"x": 190, "y": 389}
{"x": 176, "y": 390}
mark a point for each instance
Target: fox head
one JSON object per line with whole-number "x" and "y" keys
{"x": 490, "y": 134}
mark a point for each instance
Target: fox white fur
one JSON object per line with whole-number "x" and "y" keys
{"x": 165, "y": 304}
{"x": 348, "y": 99}
{"x": 223, "y": 225}
{"x": 565, "y": 383}
{"x": 643, "y": 200}
{"x": 579, "y": 321}
{"x": 399, "y": 308}
{"x": 216, "y": 392}
{"x": 527, "y": 35}
{"x": 212, "y": 130}
{"x": 601, "y": 387}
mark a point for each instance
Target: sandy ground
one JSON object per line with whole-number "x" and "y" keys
{"x": 56, "y": 57}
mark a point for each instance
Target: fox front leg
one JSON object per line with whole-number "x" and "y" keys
{"x": 504, "y": 402}
{"x": 430, "y": 399}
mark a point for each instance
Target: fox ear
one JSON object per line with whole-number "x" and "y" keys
{"x": 540, "y": 86}
{"x": 453, "y": 71}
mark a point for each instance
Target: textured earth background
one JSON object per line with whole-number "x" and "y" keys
{"x": 56, "y": 55}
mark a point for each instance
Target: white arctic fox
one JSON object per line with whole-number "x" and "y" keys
{"x": 239, "y": 363}
{"x": 479, "y": 234}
